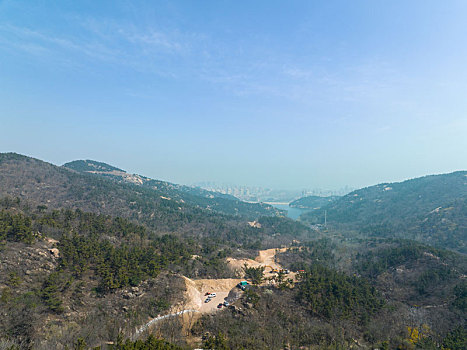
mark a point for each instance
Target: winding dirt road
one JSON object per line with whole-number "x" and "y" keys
{"x": 194, "y": 296}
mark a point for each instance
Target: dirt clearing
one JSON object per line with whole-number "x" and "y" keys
{"x": 194, "y": 304}
{"x": 196, "y": 290}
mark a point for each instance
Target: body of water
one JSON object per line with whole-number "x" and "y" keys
{"x": 292, "y": 213}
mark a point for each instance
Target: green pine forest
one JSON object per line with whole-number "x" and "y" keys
{"x": 86, "y": 259}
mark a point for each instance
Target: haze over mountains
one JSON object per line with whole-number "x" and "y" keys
{"x": 211, "y": 200}
{"x": 312, "y": 202}
{"x": 430, "y": 209}
{"x": 103, "y": 169}
{"x": 90, "y": 253}
{"x": 60, "y": 183}
{"x": 162, "y": 206}
{"x": 305, "y": 175}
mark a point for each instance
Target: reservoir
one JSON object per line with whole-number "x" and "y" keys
{"x": 292, "y": 213}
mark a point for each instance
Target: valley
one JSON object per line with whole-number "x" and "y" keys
{"x": 228, "y": 175}
{"x": 97, "y": 260}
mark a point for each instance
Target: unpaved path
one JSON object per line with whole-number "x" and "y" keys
{"x": 265, "y": 258}
{"x": 237, "y": 264}
{"x": 194, "y": 298}
{"x": 268, "y": 258}
{"x": 160, "y": 318}
{"x": 196, "y": 289}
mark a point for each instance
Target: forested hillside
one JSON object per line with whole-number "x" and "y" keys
{"x": 312, "y": 202}
{"x": 44, "y": 184}
{"x": 430, "y": 209}
{"x": 195, "y": 196}
{"x": 86, "y": 259}
{"x": 62, "y": 267}
{"x": 368, "y": 294}
{"x": 101, "y": 275}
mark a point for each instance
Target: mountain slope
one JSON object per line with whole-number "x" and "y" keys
{"x": 43, "y": 184}
{"x": 312, "y": 202}
{"x": 223, "y": 203}
{"x": 67, "y": 275}
{"x": 91, "y": 166}
{"x": 432, "y": 209}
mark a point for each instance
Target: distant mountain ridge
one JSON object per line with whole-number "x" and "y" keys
{"x": 106, "y": 170}
{"x": 312, "y": 202}
{"x": 90, "y": 166}
{"x": 210, "y": 200}
{"x": 90, "y": 254}
{"x": 431, "y": 209}
{"x": 40, "y": 182}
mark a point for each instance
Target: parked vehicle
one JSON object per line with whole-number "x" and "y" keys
{"x": 242, "y": 284}
{"x": 220, "y": 306}
{"x": 226, "y": 303}
{"x": 207, "y": 300}
{"x": 212, "y": 295}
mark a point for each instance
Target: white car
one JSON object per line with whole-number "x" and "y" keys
{"x": 212, "y": 295}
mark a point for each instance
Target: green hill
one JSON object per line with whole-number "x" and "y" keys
{"x": 196, "y": 196}
{"x": 387, "y": 286}
{"x": 165, "y": 210}
{"x": 430, "y": 209}
{"x": 312, "y": 202}
{"x": 86, "y": 255}
{"x": 66, "y": 272}
{"x": 41, "y": 182}
{"x": 90, "y": 166}
{"x": 106, "y": 170}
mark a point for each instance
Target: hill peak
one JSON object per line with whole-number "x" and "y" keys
{"x": 91, "y": 166}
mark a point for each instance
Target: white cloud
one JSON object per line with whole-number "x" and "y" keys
{"x": 40, "y": 44}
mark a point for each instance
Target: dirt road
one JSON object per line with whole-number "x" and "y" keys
{"x": 196, "y": 289}
{"x": 194, "y": 299}
{"x": 265, "y": 258}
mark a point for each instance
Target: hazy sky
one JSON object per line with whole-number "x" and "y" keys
{"x": 285, "y": 94}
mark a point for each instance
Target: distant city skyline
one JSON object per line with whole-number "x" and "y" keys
{"x": 257, "y": 193}
{"x": 283, "y": 95}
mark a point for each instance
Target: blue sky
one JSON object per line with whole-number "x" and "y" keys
{"x": 302, "y": 94}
